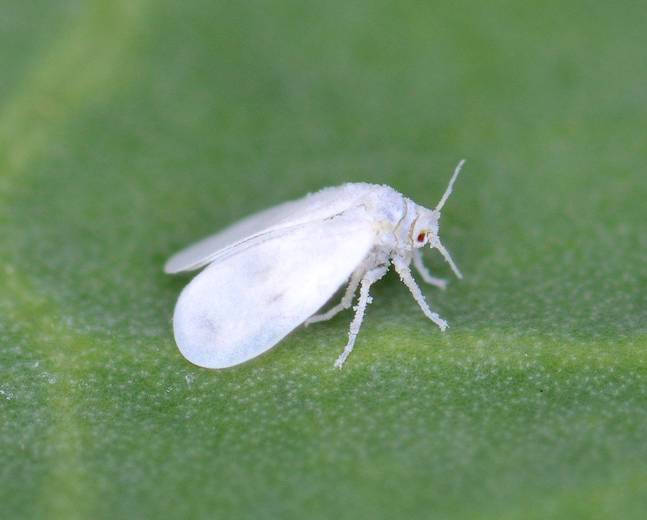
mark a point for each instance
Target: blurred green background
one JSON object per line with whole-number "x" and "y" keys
{"x": 130, "y": 128}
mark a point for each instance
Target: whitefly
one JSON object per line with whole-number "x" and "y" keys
{"x": 268, "y": 273}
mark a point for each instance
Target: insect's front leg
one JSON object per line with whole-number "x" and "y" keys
{"x": 346, "y": 301}
{"x": 368, "y": 279}
{"x": 424, "y": 272}
{"x": 401, "y": 265}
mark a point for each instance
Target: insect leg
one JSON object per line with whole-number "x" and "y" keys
{"x": 402, "y": 268}
{"x": 346, "y": 301}
{"x": 368, "y": 279}
{"x": 424, "y": 272}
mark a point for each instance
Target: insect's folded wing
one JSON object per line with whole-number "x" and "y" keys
{"x": 199, "y": 254}
{"x": 242, "y": 305}
{"x": 315, "y": 207}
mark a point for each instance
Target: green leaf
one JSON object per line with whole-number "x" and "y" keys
{"x": 130, "y": 128}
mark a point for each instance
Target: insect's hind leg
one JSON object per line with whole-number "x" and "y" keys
{"x": 346, "y": 301}
{"x": 368, "y": 279}
{"x": 424, "y": 272}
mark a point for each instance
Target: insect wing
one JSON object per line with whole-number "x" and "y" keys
{"x": 312, "y": 208}
{"x": 241, "y": 306}
{"x": 197, "y": 255}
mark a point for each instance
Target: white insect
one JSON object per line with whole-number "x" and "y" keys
{"x": 272, "y": 271}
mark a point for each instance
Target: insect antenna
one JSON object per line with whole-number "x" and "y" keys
{"x": 441, "y": 248}
{"x": 450, "y": 187}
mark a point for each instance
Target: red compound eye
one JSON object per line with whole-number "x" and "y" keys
{"x": 421, "y": 237}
